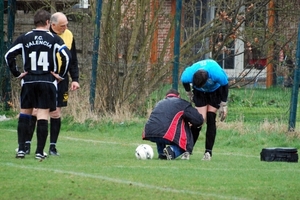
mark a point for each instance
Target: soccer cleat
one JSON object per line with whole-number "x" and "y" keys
{"x": 20, "y": 154}
{"x": 185, "y": 156}
{"x": 39, "y": 156}
{"x": 169, "y": 153}
{"x": 53, "y": 152}
{"x": 27, "y": 150}
{"x": 206, "y": 156}
{"x": 162, "y": 157}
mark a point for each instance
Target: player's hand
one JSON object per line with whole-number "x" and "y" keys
{"x": 190, "y": 96}
{"x": 74, "y": 85}
{"x": 223, "y": 111}
{"x": 22, "y": 75}
{"x": 57, "y": 77}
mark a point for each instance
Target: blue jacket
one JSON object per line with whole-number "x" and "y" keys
{"x": 216, "y": 75}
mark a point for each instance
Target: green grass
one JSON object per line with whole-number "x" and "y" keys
{"x": 97, "y": 162}
{"x": 251, "y": 104}
{"x": 97, "y": 158}
{"x": 259, "y": 104}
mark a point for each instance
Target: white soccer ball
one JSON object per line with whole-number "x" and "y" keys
{"x": 144, "y": 152}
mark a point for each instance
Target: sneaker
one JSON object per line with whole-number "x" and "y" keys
{"x": 20, "y": 154}
{"x": 53, "y": 152}
{"x": 27, "y": 151}
{"x": 169, "y": 153}
{"x": 185, "y": 156}
{"x": 162, "y": 157}
{"x": 206, "y": 156}
{"x": 39, "y": 156}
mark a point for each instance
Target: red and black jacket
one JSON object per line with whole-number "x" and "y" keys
{"x": 170, "y": 120}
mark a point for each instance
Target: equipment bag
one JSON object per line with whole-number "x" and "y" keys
{"x": 283, "y": 154}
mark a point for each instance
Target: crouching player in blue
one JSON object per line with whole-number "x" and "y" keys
{"x": 210, "y": 91}
{"x": 169, "y": 124}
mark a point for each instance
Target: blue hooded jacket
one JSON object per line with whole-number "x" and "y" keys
{"x": 216, "y": 75}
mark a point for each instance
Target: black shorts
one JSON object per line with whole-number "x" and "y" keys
{"x": 207, "y": 98}
{"x": 39, "y": 95}
{"x": 63, "y": 92}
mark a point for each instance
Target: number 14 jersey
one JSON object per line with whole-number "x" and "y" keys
{"x": 38, "y": 49}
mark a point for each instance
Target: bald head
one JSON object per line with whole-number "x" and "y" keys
{"x": 59, "y": 23}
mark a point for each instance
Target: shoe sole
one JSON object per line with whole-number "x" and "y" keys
{"x": 27, "y": 152}
{"x": 206, "y": 158}
{"x": 54, "y": 154}
{"x": 169, "y": 157}
{"x": 185, "y": 157}
{"x": 40, "y": 157}
{"x": 20, "y": 156}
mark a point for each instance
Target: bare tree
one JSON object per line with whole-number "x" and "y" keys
{"x": 246, "y": 21}
{"x": 221, "y": 29}
{"x": 125, "y": 74}
{"x": 126, "y": 77}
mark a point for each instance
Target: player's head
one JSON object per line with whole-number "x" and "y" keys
{"x": 59, "y": 23}
{"x": 41, "y": 18}
{"x": 172, "y": 93}
{"x": 200, "y": 78}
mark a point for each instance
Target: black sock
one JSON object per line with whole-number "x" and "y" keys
{"x": 32, "y": 125}
{"x": 211, "y": 131}
{"x": 23, "y": 122}
{"x": 54, "y": 131}
{"x": 195, "y": 133}
{"x": 42, "y": 134}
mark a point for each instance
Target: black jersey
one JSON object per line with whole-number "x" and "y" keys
{"x": 38, "y": 49}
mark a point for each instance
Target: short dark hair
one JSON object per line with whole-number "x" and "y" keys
{"x": 40, "y": 18}
{"x": 200, "y": 78}
{"x": 172, "y": 91}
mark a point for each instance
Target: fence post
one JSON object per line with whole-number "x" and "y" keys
{"x": 95, "y": 53}
{"x": 11, "y": 5}
{"x": 2, "y": 65}
{"x": 177, "y": 44}
{"x": 294, "y": 96}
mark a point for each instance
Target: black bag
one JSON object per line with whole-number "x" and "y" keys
{"x": 283, "y": 154}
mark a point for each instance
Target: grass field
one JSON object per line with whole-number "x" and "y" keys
{"x": 98, "y": 162}
{"x": 97, "y": 158}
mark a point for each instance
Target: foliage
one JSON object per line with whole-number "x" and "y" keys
{"x": 125, "y": 75}
{"x": 251, "y": 29}
{"x": 128, "y": 74}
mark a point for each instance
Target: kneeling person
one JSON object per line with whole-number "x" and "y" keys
{"x": 169, "y": 124}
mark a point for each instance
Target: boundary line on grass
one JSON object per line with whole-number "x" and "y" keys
{"x": 88, "y": 140}
{"x": 107, "y": 142}
{"x": 122, "y": 181}
{"x": 10, "y": 130}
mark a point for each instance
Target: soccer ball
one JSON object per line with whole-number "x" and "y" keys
{"x": 144, "y": 152}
